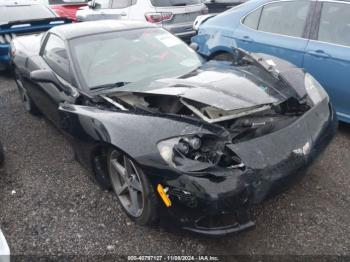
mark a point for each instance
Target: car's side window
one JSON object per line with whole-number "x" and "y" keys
{"x": 55, "y": 55}
{"x": 285, "y": 18}
{"x": 119, "y": 4}
{"x": 335, "y": 23}
{"x": 252, "y": 20}
{"x": 101, "y": 4}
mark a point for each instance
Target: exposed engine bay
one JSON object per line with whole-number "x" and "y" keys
{"x": 242, "y": 124}
{"x": 249, "y": 118}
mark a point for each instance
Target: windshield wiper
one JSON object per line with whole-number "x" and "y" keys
{"x": 108, "y": 86}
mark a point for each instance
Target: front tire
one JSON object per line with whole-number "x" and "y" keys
{"x": 27, "y": 101}
{"x": 133, "y": 190}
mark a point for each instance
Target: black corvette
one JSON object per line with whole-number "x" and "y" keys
{"x": 198, "y": 141}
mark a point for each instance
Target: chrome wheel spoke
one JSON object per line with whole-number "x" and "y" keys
{"x": 135, "y": 184}
{"x": 134, "y": 201}
{"x": 119, "y": 168}
{"x": 122, "y": 190}
{"x": 128, "y": 166}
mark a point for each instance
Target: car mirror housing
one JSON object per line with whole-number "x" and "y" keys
{"x": 47, "y": 76}
{"x": 44, "y": 76}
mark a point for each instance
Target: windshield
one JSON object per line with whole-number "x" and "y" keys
{"x": 24, "y": 12}
{"x": 163, "y": 3}
{"x": 124, "y": 57}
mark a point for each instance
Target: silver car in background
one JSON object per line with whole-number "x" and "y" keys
{"x": 177, "y": 16}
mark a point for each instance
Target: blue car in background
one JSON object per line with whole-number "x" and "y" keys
{"x": 314, "y": 35}
{"x": 18, "y": 17}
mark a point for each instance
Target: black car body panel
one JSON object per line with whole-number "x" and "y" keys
{"x": 272, "y": 162}
{"x": 258, "y": 115}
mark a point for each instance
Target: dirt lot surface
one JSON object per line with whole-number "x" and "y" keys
{"x": 49, "y": 206}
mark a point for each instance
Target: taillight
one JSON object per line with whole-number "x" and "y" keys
{"x": 59, "y": 12}
{"x": 205, "y": 11}
{"x": 158, "y": 17}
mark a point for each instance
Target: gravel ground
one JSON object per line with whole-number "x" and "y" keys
{"x": 49, "y": 206}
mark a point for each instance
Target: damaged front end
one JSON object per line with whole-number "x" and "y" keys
{"x": 223, "y": 137}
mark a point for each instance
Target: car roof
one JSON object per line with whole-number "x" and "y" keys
{"x": 18, "y": 2}
{"x": 76, "y": 30}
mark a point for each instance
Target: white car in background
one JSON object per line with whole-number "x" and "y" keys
{"x": 177, "y": 16}
{"x": 4, "y": 249}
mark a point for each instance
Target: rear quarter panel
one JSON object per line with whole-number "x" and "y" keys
{"x": 217, "y": 34}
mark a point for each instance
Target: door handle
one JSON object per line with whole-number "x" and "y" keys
{"x": 123, "y": 14}
{"x": 246, "y": 39}
{"x": 319, "y": 53}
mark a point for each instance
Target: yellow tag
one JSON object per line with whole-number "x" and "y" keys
{"x": 163, "y": 195}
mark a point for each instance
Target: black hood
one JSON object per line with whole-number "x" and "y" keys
{"x": 216, "y": 84}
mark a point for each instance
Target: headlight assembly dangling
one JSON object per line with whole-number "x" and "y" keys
{"x": 197, "y": 152}
{"x": 183, "y": 145}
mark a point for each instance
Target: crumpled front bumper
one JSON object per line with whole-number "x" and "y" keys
{"x": 272, "y": 162}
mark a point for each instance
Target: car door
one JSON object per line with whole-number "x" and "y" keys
{"x": 327, "y": 55}
{"x": 48, "y": 96}
{"x": 277, "y": 28}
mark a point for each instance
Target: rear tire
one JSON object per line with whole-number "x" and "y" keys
{"x": 28, "y": 103}
{"x": 134, "y": 192}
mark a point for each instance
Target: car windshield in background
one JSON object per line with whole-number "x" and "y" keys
{"x": 163, "y": 3}
{"x": 119, "y": 58}
{"x": 24, "y": 12}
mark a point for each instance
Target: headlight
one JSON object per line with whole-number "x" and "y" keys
{"x": 166, "y": 150}
{"x": 180, "y": 146}
{"x": 197, "y": 152}
{"x": 314, "y": 89}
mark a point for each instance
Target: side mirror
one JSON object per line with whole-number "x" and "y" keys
{"x": 45, "y": 76}
{"x": 194, "y": 46}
